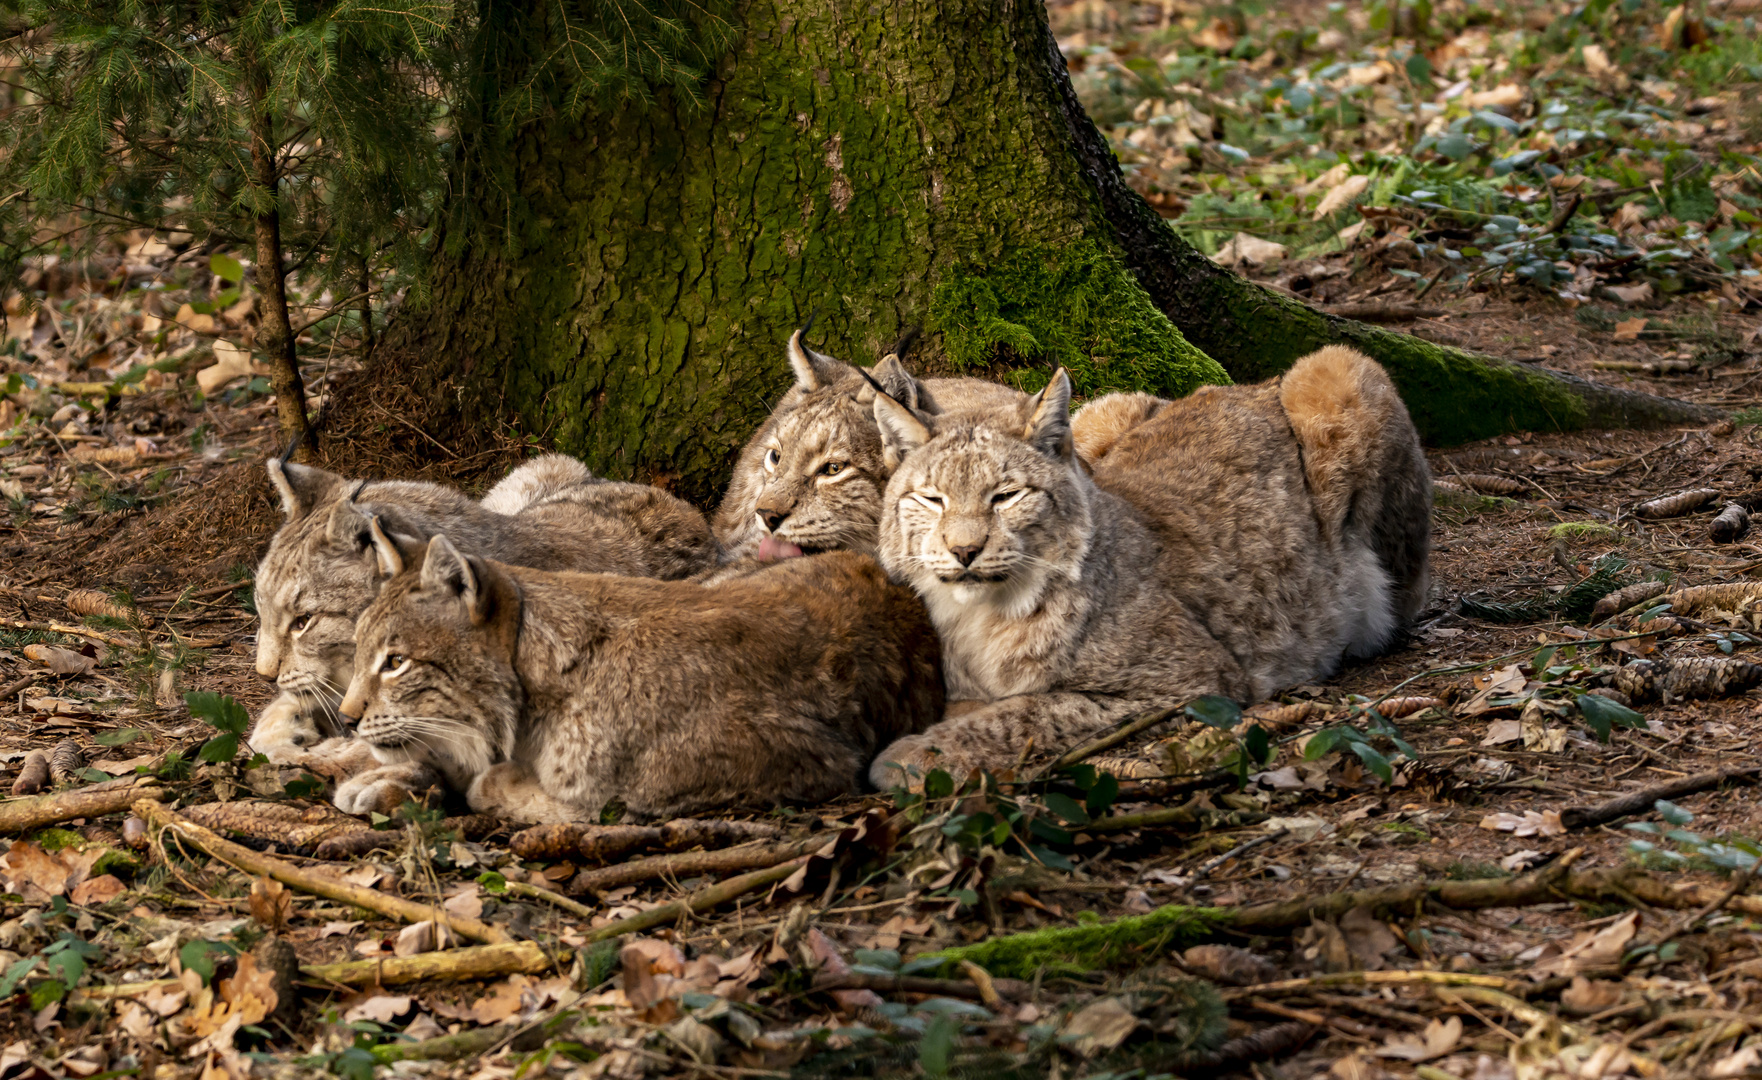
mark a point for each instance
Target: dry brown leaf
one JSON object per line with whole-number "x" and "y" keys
{"x": 1503, "y": 731}
{"x": 245, "y": 998}
{"x": 59, "y": 660}
{"x": 1229, "y": 965}
{"x": 1586, "y": 997}
{"x": 381, "y": 1008}
{"x": 1341, "y": 195}
{"x": 466, "y": 905}
{"x": 1439, "y": 1038}
{"x": 502, "y": 1001}
{"x": 1217, "y": 35}
{"x": 1631, "y": 294}
{"x": 339, "y": 929}
{"x": 1369, "y": 938}
{"x": 1506, "y": 94}
{"x": 1244, "y": 248}
{"x": 1602, "y": 948}
{"x": 35, "y": 874}
{"x": 99, "y": 890}
{"x": 1098, "y": 1027}
{"x": 425, "y": 936}
{"x": 1529, "y": 823}
{"x": 271, "y": 903}
{"x": 1629, "y": 329}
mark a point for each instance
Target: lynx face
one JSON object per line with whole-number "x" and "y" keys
{"x": 987, "y": 507}
{"x": 316, "y": 578}
{"x": 822, "y": 476}
{"x": 437, "y": 681}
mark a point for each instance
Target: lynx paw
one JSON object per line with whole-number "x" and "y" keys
{"x": 907, "y": 761}
{"x": 509, "y": 792}
{"x": 381, "y": 790}
{"x": 284, "y": 730}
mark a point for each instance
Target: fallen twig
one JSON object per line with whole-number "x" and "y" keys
{"x": 1377, "y": 978}
{"x": 478, "y": 962}
{"x": 690, "y": 863}
{"x": 605, "y": 843}
{"x": 65, "y": 628}
{"x": 159, "y": 817}
{"x": 1238, "y": 850}
{"x": 533, "y": 892}
{"x": 110, "y": 797}
{"x": 1641, "y": 801}
{"x": 922, "y": 984}
{"x": 702, "y": 900}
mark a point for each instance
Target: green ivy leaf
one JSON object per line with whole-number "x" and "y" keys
{"x": 1604, "y": 715}
{"x": 15, "y": 974}
{"x": 218, "y": 711}
{"x": 938, "y": 784}
{"x": 492, "y": 882}
{"x": 1100, "y": 797}
{"x": 1322, "y": 743}
{"x": 1672, "y": 813}
{"x": 220, "y": 749}
{"x": 937, "y": 1045}
{"x": 119, "y": 737}
{"x": 1258, "y": 744}
{"x": 1218, "y": 712}
{"x": 1374, "y": 761}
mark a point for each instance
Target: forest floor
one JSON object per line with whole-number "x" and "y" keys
{"x": 1410, "y": 870}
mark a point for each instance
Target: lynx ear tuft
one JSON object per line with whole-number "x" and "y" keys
{"x": 902, "y": 430}
{"x": 445, "y": 569}
{"x": 896, "y": 381}
{"x": 1048, "y": 418}
{"x": 302, "y": 487}
{"x": 813, "y": 370}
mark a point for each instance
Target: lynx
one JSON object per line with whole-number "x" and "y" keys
{"x": 811, "y": 478}
{"x": 1227, "y": 543}
{"x": 544, "y": 695}
{"x": 318, "y": 575}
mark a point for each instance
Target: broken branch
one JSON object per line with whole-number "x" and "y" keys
{"x": 1641, "y": 801}
{"x": 23, "y": 815}
{"x": 252, "y": 862}
{"x": 690, "y": 863}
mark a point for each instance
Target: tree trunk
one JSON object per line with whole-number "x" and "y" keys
{"x": 914, "y": 163}
{"x": 275, "y": 337}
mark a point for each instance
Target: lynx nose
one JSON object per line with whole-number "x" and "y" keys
{"x": 966, "y": 554}
{"x": 770, "y": 519}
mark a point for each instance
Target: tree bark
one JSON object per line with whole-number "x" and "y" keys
{"x": 883, "y": 166}
{"x": 275, "y": 337}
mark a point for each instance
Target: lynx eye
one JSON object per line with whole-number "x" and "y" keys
{"x": 771, "y": 460}
{"x": 832, "y": 468}
{"x": 300, "y": 624}
{"x": 1003, "y": 500}
{"x": 933, "y": 502}
{"x": 394, "y": 665}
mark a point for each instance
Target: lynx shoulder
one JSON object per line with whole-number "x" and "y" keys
{"x": 1233, "y": 542}
{"x": 810, "y": 479}
{"x": 318, "y": 575}
{"x": 544, "y": 695}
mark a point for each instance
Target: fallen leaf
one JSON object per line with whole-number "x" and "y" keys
{"x": 502, "y": 1001}
{"x": 61, "y": 661}
{"x": 1740, "y": 1062}
{"x": 425, "y": 936}
{"x": 1098, "y": 1026}
{"x": 1597, "y": 61}
{"x": 1352, "y": 232}
{"x": 1629, "y": 329}
{"x": 1503, "y": 731}
{"x": 1602, "y": 948}
{"x": 368, "y": 876}
{"x": 1228, "y": 964}
{"x": 1631, "y": 294}
{"x": 338, "y": 929}
{"x": 1506, "y": 94}
{"x": 137, "y": 1022}
{"x": 466, "y": 905}
{"x": 381, "y": 1008}
{"x": 1519, "y": 861}
{"x": 99, "y": 890}
{"x": 31, "y": 872}
{"x": 1530, "y": 823}
{"x": 1369, "y": 938}
{"x": 1439, "y": 1038}
{"x": 1285, "y": 779}
{"x": 1244, "y": 248}
{"x": 1586, "y": 997}
{"x": 1341, "y": 195}
{"x": 1217, "y": 36}
{"x": 164, "y": 1001}
{"x": 271, "y": 903}
{"x": 245, "y": 998}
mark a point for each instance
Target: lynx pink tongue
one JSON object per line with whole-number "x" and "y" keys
{"x": 772, "y": 549}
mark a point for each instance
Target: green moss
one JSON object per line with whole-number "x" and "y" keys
{"x": 1127, "y": 942}
{"x": 1744, "y": 417}
{"x": 116, "y": 861}
{"x": 56, "y": 839}
{"x": 1075, "y": 306}
{"x": 1583, "y": 530}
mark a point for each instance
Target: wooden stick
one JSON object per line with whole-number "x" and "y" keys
{"x": 702, "y": 900}
{"x": 1174, "y": 815}
{"x": 477, "y": 962}
{"x": 1377, "y": 978}
{"x": 64, "y": 628}
{"x": 23, "y": 815}
{"x": 1641, "y": 801}
{"x": 533, "y": 892}
{"x": 1144, "y": 721}
{"x": 922, "y": 984}
{"x": 252, "y": 862}
{"x": 690, "y": 863}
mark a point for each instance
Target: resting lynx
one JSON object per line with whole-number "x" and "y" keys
{"x": 1227, "y": 544}
{"x": 318, "y": 575}
{"x": 811, "y": 478}
{"x": 546, "y": 694}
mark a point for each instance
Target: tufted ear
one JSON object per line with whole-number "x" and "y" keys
{"x": 393, "y": 553}
{"x": 303, "y": 487}
{"x": 446, "y": 570}
{"x": 895, "y": 380}
{"x": 813, "y": 370}
{"x": 1047, "y": 418}
{"x": 350, "y": 527}
{"x": 902, "y": 431}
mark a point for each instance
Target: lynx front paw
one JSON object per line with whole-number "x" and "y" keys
{"x": 284, "y": 730}
{"x": 382, "y": 790}
{"x": 512, "y": 794}
{"x": 907, "y": 761}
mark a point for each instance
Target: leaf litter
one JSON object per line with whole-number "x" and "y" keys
{"x": 1314, "y": 153}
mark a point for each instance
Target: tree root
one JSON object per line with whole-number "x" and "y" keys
{"x": 111, "y": 797}
{"x": 157, "y": 816}
{"x": 691, "y": 863}
{"x": 1642, "y": 801}
{"x": 601, "y": 844}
